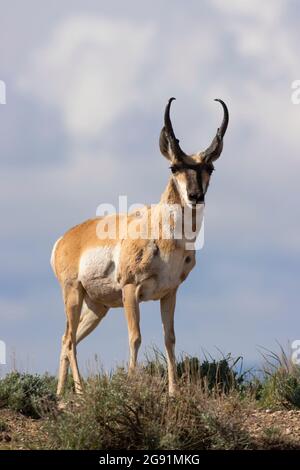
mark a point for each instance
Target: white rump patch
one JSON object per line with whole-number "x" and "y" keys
{"x": 52, "y": 259}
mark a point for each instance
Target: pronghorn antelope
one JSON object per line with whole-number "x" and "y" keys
{"x": 97, "y": 273}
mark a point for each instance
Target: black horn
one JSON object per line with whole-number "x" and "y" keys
{"x": 168, "y": 143}
{"x": 214, "y": 150}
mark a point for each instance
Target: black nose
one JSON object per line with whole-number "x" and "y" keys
{"x": 196, "y": 197}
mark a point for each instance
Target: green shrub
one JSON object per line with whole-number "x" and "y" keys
{"x": 281, "y": 389}
{"x": 26, "y": 393}
{"x": 3, "y": 426}
{"x": 218, "y": 376}
{"x": 121, "y": 412}
{"x": 291, "y": 391}
{"x": 281, "y": 384}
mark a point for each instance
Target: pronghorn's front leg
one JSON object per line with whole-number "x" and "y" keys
{"x": 132, "y": 312}
{"x": 167, "y": 306}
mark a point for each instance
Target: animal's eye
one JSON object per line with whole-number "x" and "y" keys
{"x": 173, "y": 169}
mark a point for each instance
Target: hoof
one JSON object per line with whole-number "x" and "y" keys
{"x": 172, "y": 392}
{"x": 61, "y": 404}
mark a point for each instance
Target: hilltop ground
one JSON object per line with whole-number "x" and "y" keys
{"x": 216, "y": 407}
{"x": 269, "y": 429}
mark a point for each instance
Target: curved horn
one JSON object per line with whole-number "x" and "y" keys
{"x": 214, "y": 150}
{"x": 169, "y": 145}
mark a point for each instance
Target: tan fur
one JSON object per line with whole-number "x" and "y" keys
{"x": 96, "y": 274}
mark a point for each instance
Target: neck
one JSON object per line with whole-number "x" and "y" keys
{"x": 171, "y": 194}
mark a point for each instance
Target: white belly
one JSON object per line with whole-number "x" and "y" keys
{"x": 97, "y": 273}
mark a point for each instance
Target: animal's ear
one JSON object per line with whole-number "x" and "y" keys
{"x": 164, "y": 145}
{"x": 168, "y": 144}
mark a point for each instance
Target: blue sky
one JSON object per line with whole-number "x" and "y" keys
{"x": 87, "y": 82}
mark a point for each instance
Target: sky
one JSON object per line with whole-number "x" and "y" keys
{"x": 86, "y": 86}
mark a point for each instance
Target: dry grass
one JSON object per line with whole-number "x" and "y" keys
{"x": 216, "y": 407}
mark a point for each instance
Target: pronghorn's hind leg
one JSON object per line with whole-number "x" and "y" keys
{"x": 73, "y": 298}
{"x": 132, "y": 313}
{"x": 63, "y": 364}
{"x": 92, "y": 314}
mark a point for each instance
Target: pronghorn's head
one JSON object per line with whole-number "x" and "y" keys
{"x": 191, "y": 173}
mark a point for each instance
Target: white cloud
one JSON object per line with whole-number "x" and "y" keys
{"x": 267, "y": 11}
{"x": 98, "y": 71}
{"x": 93, "y": 69}
{"x": 89, "y": 71}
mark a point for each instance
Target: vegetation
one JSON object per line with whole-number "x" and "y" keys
{"x": 26, "y": 393}
{"x": 218, "y": 406}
